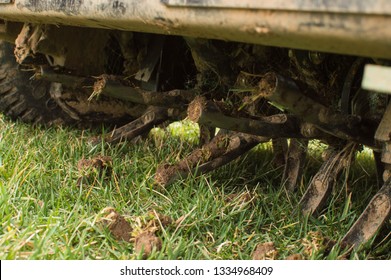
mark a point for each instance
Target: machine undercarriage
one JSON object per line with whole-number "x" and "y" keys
{"x": 253, "y": 93}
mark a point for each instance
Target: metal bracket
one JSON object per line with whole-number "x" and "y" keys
{"x": 155, "y": 49}
{"x": 150, "y": 68}
{"x": 377, "y": 78}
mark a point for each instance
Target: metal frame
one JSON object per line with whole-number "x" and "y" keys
{"x": 358, "y": 27}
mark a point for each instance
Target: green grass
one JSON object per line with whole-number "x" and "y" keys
{"x": 45, "y": 214}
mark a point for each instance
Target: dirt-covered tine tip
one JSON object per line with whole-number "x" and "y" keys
{"x": 99, "y": 86}
{"x": 164, "y": 174}
{"x": 194, "y": 111}
{"x": 267, "y": 84}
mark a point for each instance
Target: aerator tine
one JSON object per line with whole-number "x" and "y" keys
{"x": 294, "y": 163}
{"x": 372, "y": 219}
{"x": 224, "y": 148}
{"x": 152, "y": 117}
{"x": 321, "y": 184}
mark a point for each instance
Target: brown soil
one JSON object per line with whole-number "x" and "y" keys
{"x": 294, "y": 257}
{"x": 146, "y": 242}
{"x": 141, "y": 230}
{"x": 161, "y": 219}
{"x": 265, "y": 251}
{"x": 98, "y": 164}
{"x": 118, "y": 226}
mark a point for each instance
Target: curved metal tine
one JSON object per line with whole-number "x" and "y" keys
{"x": 280, "y": 150}
{"x": 296, "y": 155}
{"x": 372, "y": 219}
{"x": 321, "y": 184}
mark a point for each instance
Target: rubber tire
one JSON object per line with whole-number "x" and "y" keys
{"x": 24, "y": 98}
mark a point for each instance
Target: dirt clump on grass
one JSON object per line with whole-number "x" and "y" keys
{"x": 265, "y": 251}
{"x": 96, "y": 166}
{"x": 294, "y": 257}
{"x": 161, "y": 219}
{"x": 145, "y": 239}
{"x": 99, "y": 163}
{"x": 119, "y": 227}
{"x": 146, "y": 242}
{"x": 139, "y": 230}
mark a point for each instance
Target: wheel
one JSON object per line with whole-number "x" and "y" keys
{"x": 24, "y": 98}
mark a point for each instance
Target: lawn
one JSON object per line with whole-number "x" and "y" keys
{"x": 50, "y": 209}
